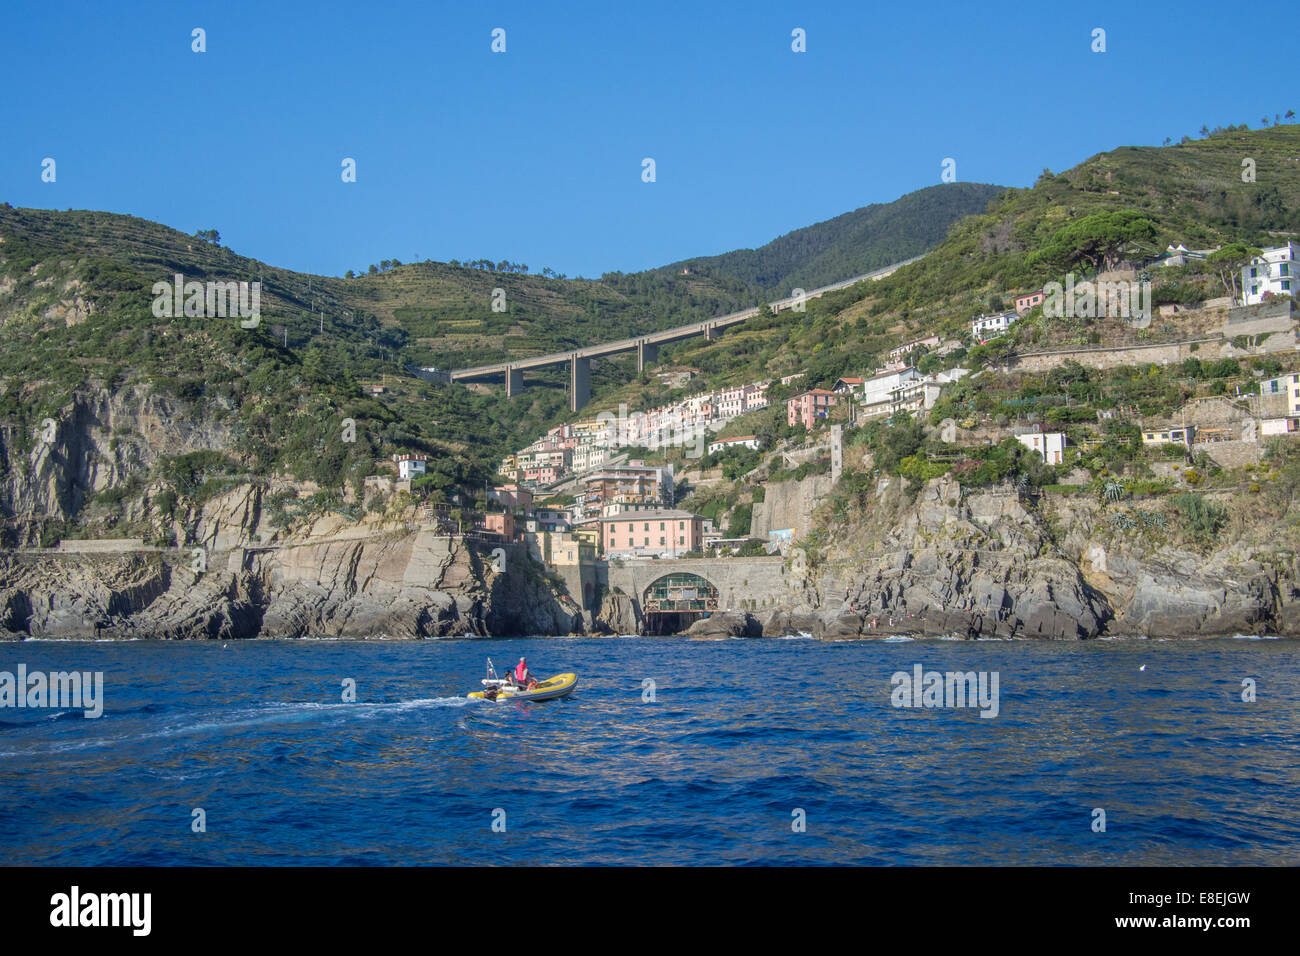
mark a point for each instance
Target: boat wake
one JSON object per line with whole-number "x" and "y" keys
{"x": 274, "y": 712}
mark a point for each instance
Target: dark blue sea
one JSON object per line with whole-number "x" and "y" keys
{"x": 751, "y": 752}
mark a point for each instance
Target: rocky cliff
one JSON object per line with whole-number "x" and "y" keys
{"x": 52, "y": 467}
{"x": 402, "y": 584}
{"x": 938, "y": 560}
{"x": 996, "y": 563}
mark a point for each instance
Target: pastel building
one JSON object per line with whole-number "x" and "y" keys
{"x": 496, "y": 522}
{"x": 512, "y": 497}
{"x": 810, "y": 406}
{"x": 541, "y": 475}
{"x": 559, "y": 548}
{"x": 627, "y": 487}
{"x": 1169, "y": 435}
{"x": 1027, "y": 301}
{"x": 905, "y": 390}
{"x": 660, "y": 534}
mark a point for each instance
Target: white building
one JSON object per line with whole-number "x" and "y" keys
{"x": 589, "y": 456}
{"x": 1050, "y": 446}
{"x": 741, "y": 441}
{"x": 878, "y": 387}
{"x": 1274, "y": 271}
{"x": 410, "y": 466}
{"x": 730, "y": 402}
{"x": 991, "y": 326}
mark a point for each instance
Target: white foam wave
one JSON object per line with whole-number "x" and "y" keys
{"x": 268, "y": 713}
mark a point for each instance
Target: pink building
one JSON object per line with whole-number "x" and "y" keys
{"x": 1027, "y": 301}
{"x": 541, "y": 475}
{"x": 810, "y": 406}
{"x": 499, "y": 523}
{"x": 665, "y": 534}
{"x": 512, "y": 496}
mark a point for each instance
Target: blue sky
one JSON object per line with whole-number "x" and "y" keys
{"x": 534, "y": 155}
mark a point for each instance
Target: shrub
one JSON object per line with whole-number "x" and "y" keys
{"x": 1202, "y": 519}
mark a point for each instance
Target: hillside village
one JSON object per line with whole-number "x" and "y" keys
{"x": 621, "y": 486}
{"x": 1076, "y": 415}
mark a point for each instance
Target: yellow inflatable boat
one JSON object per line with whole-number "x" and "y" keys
{"x": 552, "y": 687}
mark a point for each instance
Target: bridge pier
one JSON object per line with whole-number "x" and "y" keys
{"x": 710, "y": 333}
{"x": 514, "y": 382}
{"x": 646, "y": 354}
{"x": 579, "y": 382}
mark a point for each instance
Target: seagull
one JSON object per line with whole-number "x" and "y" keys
{"x": 1142, "y": 668}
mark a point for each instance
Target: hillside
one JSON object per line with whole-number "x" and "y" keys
{"x": 195, "y": 431}
{"x": 74, "y": 287}
{"x": 1190, "y": 193}
{"x": 852, "y": 244}
{"x": 85, "y": 351}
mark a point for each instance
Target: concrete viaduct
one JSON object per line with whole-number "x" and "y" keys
{"x": 646, "y": 346}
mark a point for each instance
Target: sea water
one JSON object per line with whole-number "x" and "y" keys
{"x": 669, "y": 752}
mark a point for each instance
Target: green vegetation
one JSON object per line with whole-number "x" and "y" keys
{"x": 852, "y": 244}
{"x": 277, "y": 400}
{"x": 1202, "y": 519}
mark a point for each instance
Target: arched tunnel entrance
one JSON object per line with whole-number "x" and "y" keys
{"x": 674, "y": 602}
